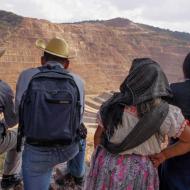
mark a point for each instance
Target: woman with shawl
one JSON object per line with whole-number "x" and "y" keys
{"x": 131, "y": 126}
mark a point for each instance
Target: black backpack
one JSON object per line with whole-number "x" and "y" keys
{"x": 50, "y": 108}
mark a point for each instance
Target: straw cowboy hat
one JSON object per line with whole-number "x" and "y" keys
{"x": 56, "y": 46}
{"x": 2, "y": 51}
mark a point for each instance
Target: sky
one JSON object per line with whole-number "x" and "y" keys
{"x": 168, "y": 14}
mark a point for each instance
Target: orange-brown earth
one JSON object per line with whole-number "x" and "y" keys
{"x": 104, "y": 49}
{"x": 103, "y": 52}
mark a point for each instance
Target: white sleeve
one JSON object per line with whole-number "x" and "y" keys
{"x": 174, "y": 123}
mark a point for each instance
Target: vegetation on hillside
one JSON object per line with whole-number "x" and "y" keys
{"x": 178, "y": 35}
{"x": 9, "y": 18}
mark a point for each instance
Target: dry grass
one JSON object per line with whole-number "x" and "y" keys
{"x": 90, "y": 145}
{"x": 1, "y": 163}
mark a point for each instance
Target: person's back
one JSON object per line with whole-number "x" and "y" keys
{"x": 139, "y": 110}
{"x": 46, "y": 132}
{"x": 181, "y": 90}
{"x": 181, "y": 93}
{"x": 175, "y": 172}
{"x": 8, "y": 137}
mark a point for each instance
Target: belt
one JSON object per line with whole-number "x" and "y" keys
{"x": 47, "y": 143}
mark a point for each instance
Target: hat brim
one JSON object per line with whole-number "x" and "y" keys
{"x": 40, "y": 44}
{"x": 2, "y": 52}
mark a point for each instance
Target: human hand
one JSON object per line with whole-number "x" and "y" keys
{"x": 157, "y": 159}
{"x": 82, "y": 131}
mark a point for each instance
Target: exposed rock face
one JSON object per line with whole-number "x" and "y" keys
{"x": 104, "y": 49}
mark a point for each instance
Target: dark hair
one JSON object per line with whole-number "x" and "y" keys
{"x": 50, "y": 57}
{"x": 147, "y": 106}
{"x": 186, "y": 66}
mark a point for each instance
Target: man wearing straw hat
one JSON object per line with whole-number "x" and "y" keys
{"x": 8, "y": 138}
{"x": 40, "y": 156}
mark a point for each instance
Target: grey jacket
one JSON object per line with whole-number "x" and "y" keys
{"x": 7, "y": 106}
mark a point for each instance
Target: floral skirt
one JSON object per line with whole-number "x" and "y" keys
{"x": 121, "y": 172}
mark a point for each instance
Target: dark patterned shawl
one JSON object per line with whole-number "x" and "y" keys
{"x": 146, "y": 81}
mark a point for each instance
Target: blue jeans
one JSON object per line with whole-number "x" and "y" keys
{"x": 38, "y": 163}
{"x": 76, "y": 166}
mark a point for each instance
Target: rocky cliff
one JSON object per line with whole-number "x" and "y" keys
{"x": 104, "y": 49}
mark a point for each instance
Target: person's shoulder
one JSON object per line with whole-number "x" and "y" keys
{"x": 177, "y": 85}
{"x": 174, "y": 122}
{"x": 76, "y": 77}
{"x": 174, "y": 114}
{"x": 3, "y": 83}
{"x": 174, "y": 109}
{"x": 180, "y": 88}
{"x": 28, "y": 71}
{"x": 5, "y": 86}
{"x": 27, "y": 74}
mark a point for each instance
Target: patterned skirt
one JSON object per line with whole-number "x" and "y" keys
{"x": 121, "y": 172}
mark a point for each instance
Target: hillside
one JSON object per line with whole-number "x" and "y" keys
{"x": 104, "y": 49}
